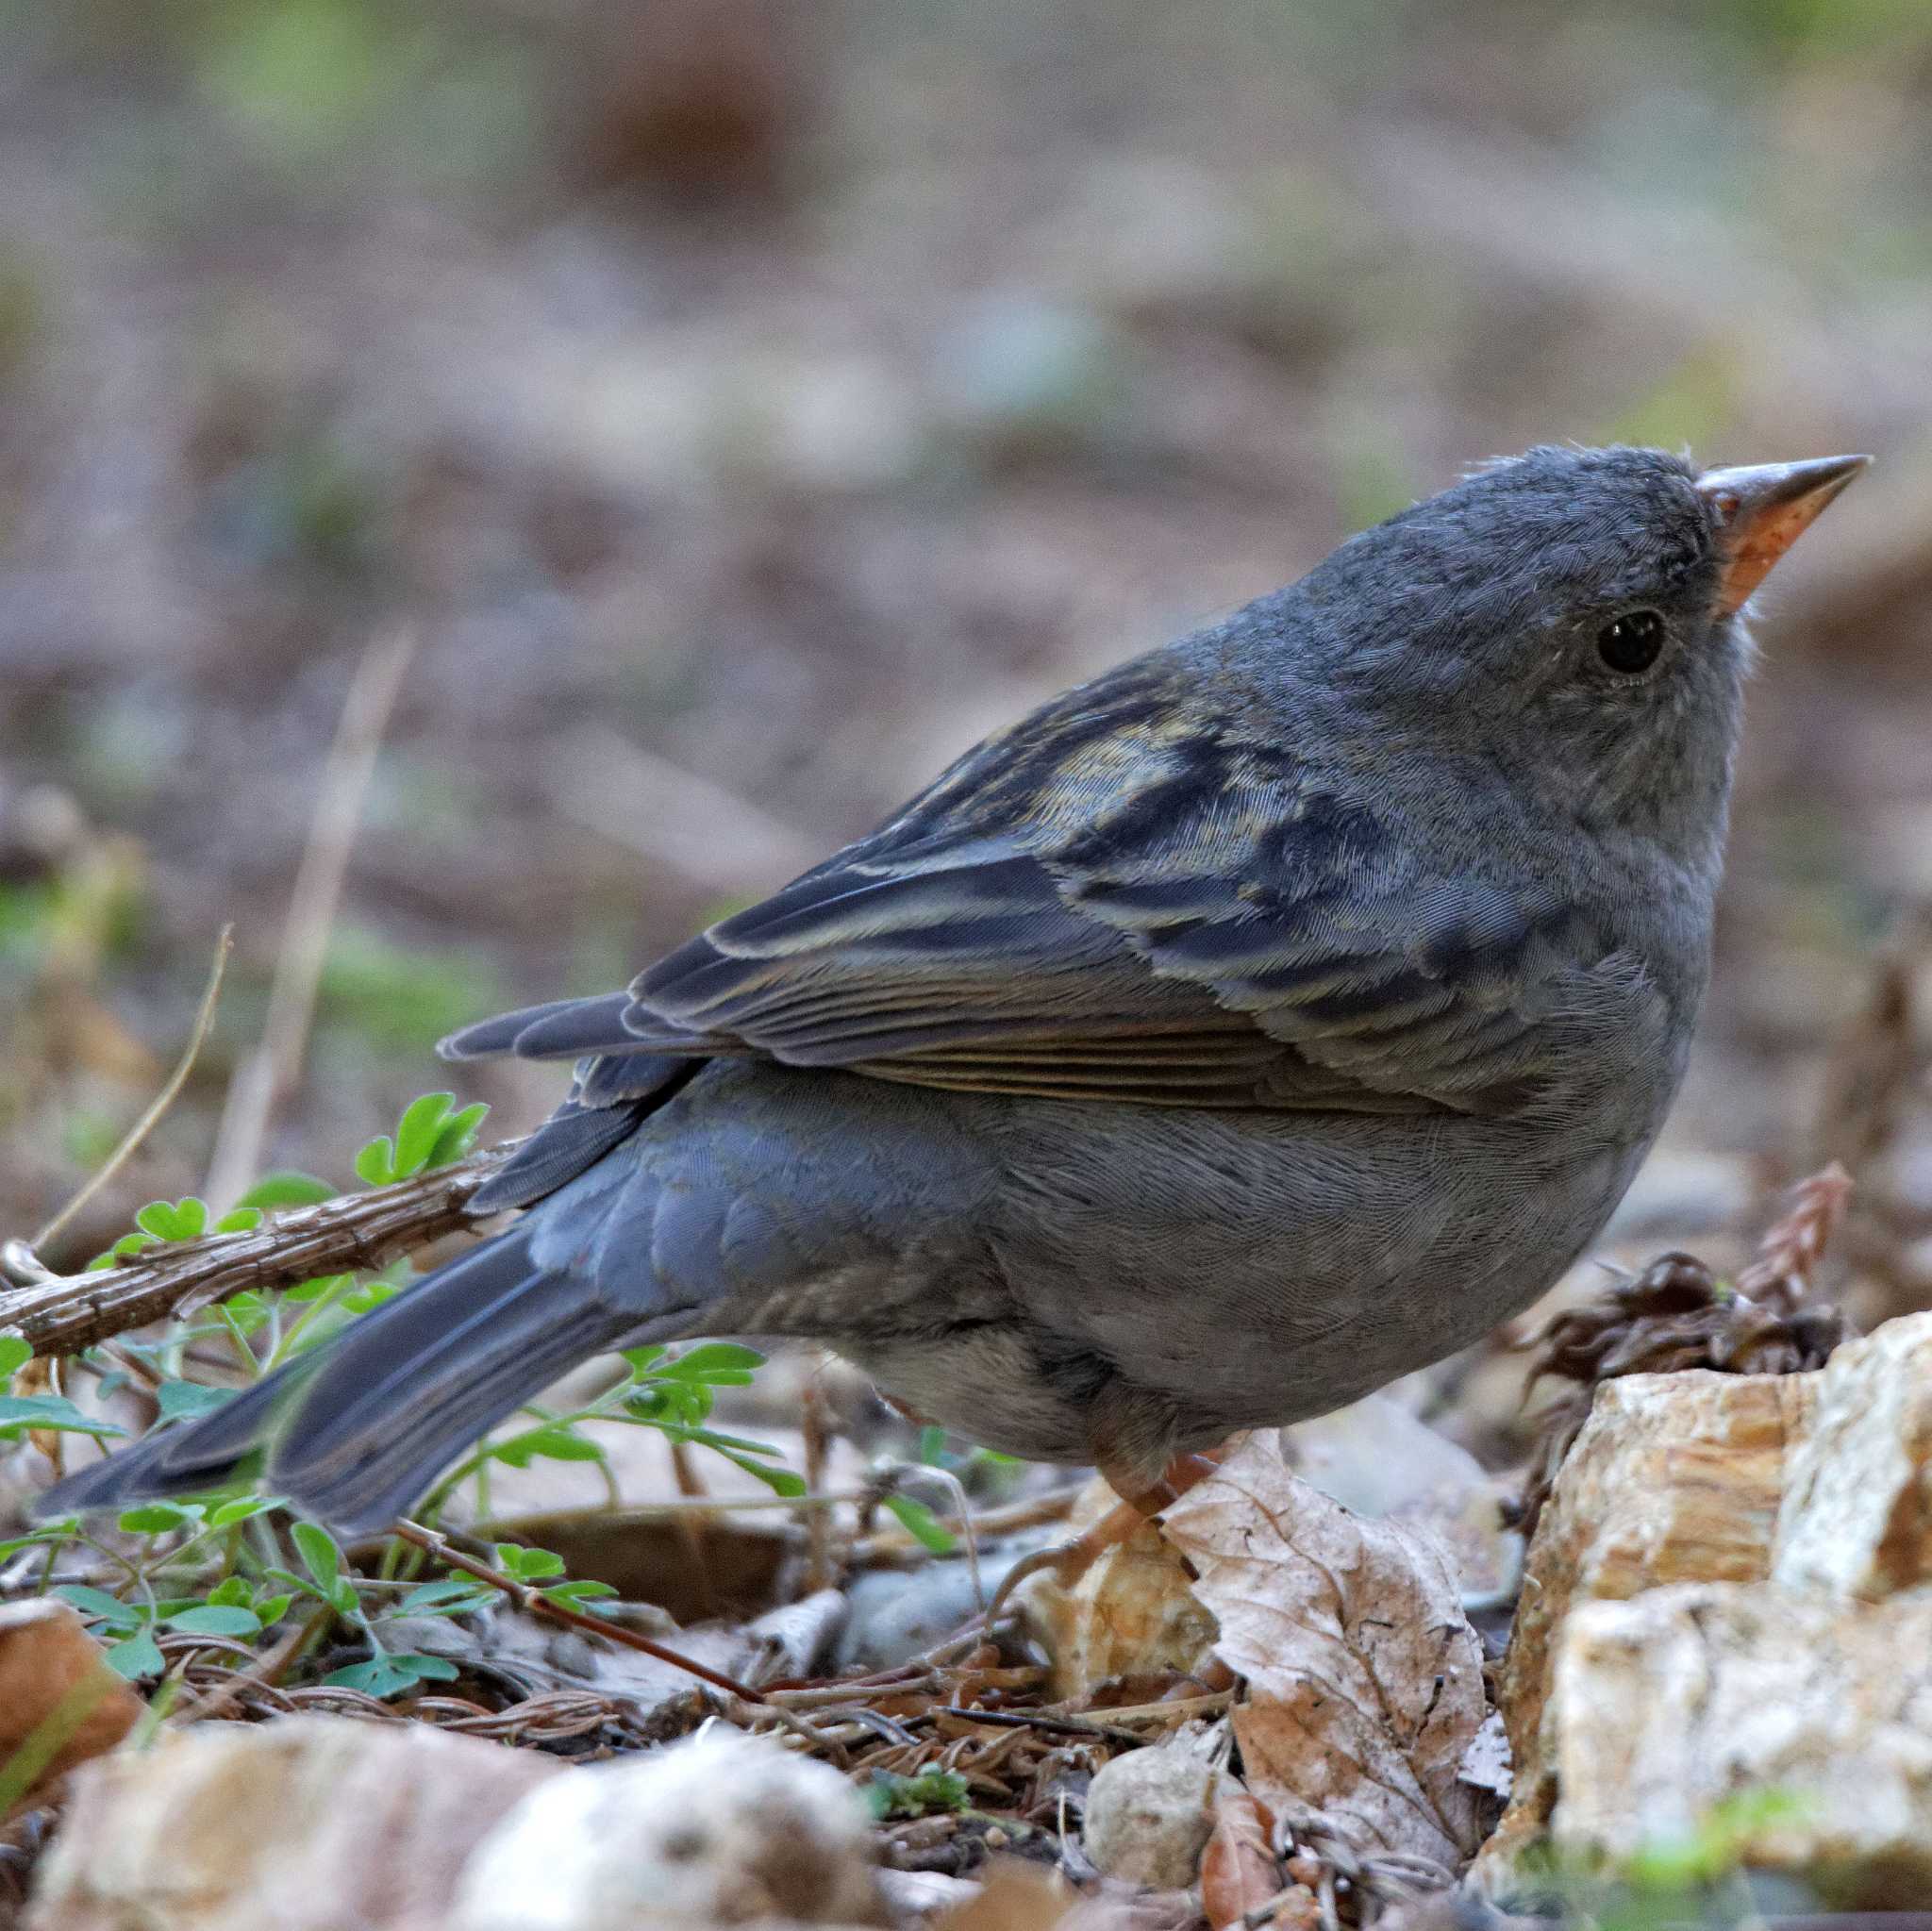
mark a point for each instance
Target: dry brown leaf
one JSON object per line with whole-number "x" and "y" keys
{"x": 60, "y": 1702}
{"x": 1364, "y": 1678}
{"x": 1238, "y": 1868}
{"x": 1019, "y": 1896}
{"x": 1016, "y": 1896}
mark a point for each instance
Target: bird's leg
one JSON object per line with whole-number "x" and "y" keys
{"x": 1142, "y": 1502}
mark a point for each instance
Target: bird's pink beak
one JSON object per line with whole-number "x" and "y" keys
{"x": 1761, "y": 510}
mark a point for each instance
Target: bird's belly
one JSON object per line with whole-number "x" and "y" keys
{"x": 1263, "y": 1271}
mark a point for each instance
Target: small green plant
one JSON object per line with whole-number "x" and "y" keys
{"x": 979, "y": 1470}
{"x": 229, "y": 1565}
{"x": 670, "y": 1391}
{"x": 1674, "y": 1883}
{"x": 889, "y": 1795}
{"x": 922, "y": 1524}
{"x": 431, "y": 1133}
{"x": 175, "y": 1220}
{"x": 327, "y": 1579}
{"x": 21, "y": 1412}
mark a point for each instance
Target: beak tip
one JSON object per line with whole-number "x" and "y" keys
{"x": 1836, "y": 472}
{"x": 1761, "y": 510}
{"x": 1753, "y": 489}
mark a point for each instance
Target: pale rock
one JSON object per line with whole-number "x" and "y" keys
{"x": 1857, "y": 1517}
{"x": 50, "y": 1667}
{"x": 722, "y": 1829}
{"x": 1665, "y": 1705}
{"x": 1134, "y": 1612}
{"x": 305, "y": 1823}
{"x": 897, "y": 1613}
{"x": 1675, "y": 1478}
{"x": 1818, "y": 1484}
{"x": 918, "y": 1897}
{"x": 1150, "y": 1812}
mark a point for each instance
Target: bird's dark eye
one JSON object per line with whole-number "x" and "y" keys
{"x": 1631, "y": 643}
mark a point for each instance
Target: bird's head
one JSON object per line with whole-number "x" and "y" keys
{"x": 1576, "y": 615}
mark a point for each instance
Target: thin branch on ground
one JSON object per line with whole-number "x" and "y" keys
{"x": 273, "y": 1068}
{"x": 536, "y": 1604}
{"x": 354, "y": 1231}
{"x": 268, "y": 1668}
{"x": 896, "y": 1477}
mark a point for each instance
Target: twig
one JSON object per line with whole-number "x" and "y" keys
{"x": 817, "y": 1737}
{"x": 1008, "y": 1520}
{"x": 646, "y": 1514}
{"x": 20, "y": 1261}
{"x": 272, "y": 1069}
{"x": 830, "y": 1696}
{"x": 816, "y": 1430}
{"x": 265, "y": 1668}
{"x": 1037, "y": 1720}
{"x": 536, "y": 1604}
{"x": 354, "y": 1231}
{"x": 131, "y": 1140}
{"x": 895, "y": 1541}
{"x": 1180, "y": 1711}
{"x": 690, "y": 1528}
{"x": 902, "y": 1475}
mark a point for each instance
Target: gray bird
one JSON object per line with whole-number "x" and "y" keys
{"x": 1267, "y": 1018}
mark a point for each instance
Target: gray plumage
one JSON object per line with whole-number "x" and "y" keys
{"x": 1259, "y": 1022}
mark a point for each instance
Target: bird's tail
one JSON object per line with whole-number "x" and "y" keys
{"x": 356, "y": 1431}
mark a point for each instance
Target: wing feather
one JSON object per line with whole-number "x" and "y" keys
{"x": 1116, "y": 900}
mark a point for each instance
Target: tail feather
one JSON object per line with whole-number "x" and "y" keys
{"x": 571, "y": 1141}
{"x": 356, "y": 1431}
{"x": 183, "y": 1459}
{"x": 398, "y": 1400}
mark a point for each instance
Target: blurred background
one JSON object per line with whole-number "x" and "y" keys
{"x": 745, "y": 406}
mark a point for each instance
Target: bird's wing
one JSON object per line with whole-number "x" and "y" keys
{"x": 1107, "y": 902}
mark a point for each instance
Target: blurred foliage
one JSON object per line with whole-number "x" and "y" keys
{"x": 307, "y": 499}
{"x": 314, "y": 91}
{"x": 1807, "y": 29}
{"x": 1697, "y": 1878}
{"x": 230, "y": 1563}
{"x": 795, "y": 395}
{"x": 398, "y": 998}
{"x": 1692, "y": 408}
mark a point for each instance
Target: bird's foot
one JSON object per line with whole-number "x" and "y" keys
{"x": 1070, "y": 1561}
